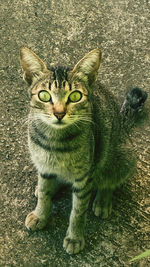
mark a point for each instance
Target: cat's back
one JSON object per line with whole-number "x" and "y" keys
{"x": 106, "y": 111}
{"x": 114, "y": 159}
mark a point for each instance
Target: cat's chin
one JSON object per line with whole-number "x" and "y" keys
{"x": 59, "y": 125}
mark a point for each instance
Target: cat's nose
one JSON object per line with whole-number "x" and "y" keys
{"x": 59, "y": 115}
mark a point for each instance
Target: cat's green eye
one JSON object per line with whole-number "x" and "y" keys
{"x": 44, "y": 96}
{"x": 75, "y": 96}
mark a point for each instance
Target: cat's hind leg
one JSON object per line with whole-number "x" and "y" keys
{"x": 102, "y": 205}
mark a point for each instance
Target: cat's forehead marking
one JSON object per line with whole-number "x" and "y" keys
{"x": 60, "y": 78}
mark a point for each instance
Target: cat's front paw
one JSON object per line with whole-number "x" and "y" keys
{"x": 73, "y": 245}
{"x": 34, "y": 223}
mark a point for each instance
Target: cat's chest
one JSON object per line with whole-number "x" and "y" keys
{"x": 65, "y": 157}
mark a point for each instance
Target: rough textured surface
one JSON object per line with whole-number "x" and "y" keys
{"x": 62, "y": 32}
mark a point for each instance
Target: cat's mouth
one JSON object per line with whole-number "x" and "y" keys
{"x": 59, "y": 122}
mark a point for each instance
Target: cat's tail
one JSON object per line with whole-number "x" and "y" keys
{"x": 133, "y": 109}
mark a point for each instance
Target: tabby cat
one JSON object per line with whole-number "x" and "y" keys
{"x": 75, "y": 136}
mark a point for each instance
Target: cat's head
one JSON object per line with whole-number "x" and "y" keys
{"x": 60, "y": 96}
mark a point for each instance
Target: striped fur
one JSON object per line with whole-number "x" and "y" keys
{"x": 80, "y": 142}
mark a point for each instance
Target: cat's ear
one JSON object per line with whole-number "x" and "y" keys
{"x": 86, "y": 69}
{"x": 33, "y": 66}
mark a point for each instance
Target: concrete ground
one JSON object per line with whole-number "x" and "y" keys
{"x": 62, "y": 32}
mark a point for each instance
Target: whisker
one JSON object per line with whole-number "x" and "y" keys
{"x": 75, "y": 124}
{"x": 37, "y": 107}
{"x": 86, "y": 121}
{"x": 82, "y": 115}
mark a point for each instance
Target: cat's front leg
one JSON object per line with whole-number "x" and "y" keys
{"x": 38, "y": 218}
{"x": 74, "y": 240}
